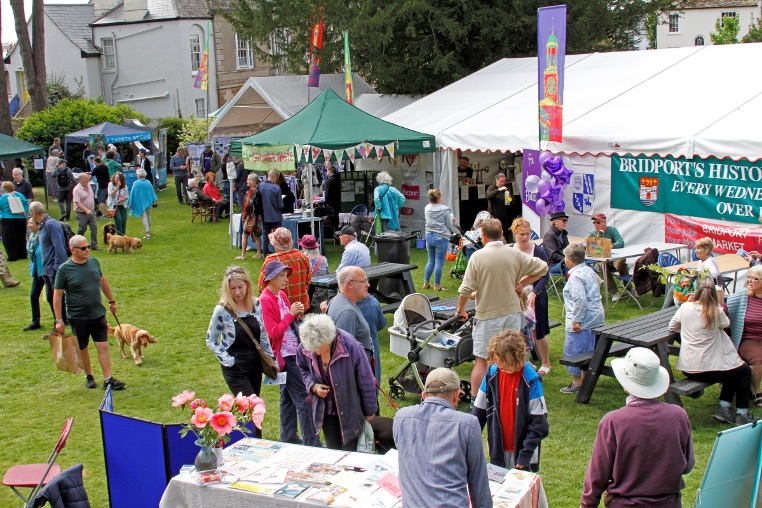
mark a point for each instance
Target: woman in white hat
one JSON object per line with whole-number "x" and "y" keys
{"x": 623, "y": 463}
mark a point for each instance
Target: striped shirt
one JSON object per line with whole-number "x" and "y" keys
{"x": 83, "y": 198}
{"x": 752, "y": 324}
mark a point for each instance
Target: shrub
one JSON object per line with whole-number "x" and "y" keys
{"x": 194, "y": 131}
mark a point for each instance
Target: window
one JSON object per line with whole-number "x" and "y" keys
{"x": 698, "y": 41}
{"x": 727, "y": 14}
{"x": 244, "y": 54}
{"x": 674, "y": 23}
{"x": 195, "y": 51}
{"x": 109, "y": 54}
{"x": 200, "y": 108}
{"x": 278, "y": 44}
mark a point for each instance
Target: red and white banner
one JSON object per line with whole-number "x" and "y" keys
{"x": 727, "y": 239}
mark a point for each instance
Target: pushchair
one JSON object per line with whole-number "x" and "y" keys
{"x": 467, "y": 243}
{"x": 426, "y": 344}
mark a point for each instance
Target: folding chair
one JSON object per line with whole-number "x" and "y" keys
{"x": 628, "y": 290}
{"x": 666, "y": 259}
{"x": 35, "y": 476}
{"x": 557, "y": 282}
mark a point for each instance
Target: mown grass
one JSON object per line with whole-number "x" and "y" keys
{"x": 169, "y": 288}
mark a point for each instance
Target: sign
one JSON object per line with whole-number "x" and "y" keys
{"x": 703, "y": 187}
{"x": 160, "y": 166}
{"x": 726, "y": 239}
{"x": 265, "y": 158}
{"x": 551, "y": 54}
{"x": 583, "y": 192}
{"x": 410, "y": 185}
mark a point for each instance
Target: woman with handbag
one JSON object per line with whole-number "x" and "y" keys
{"x": 250, "y": 220}
{"x": 14, "y": 210}
{"x": 237, "y": 335}
{"x": 280, "y": 318}
{"x": 117, "y": 201}
{"x": 336, "y": 370}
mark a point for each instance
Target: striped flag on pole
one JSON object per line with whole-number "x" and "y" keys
{"x": 202, "y": 76}
{"x": 348, "y": 70}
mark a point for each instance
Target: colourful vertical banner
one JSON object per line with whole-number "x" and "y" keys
{"x": 202, "y": 76}
{"x": 350, "y": 95}
{"x": 316, "y": 43}
{"x": 551, "y": 53}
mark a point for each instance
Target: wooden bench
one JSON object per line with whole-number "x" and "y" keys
{"x": 582, "y": 360}
{"x": 688, "y": 388}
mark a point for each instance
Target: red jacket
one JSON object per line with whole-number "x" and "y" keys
{"x": 275, "y": 326}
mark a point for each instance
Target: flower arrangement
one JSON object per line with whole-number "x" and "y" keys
{"x": 213, "y": 427}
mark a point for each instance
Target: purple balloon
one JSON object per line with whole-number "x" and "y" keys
{"x": 553, "y": 165}
{"x": 545, "y": 156}
{"x": 559, "y": 206}
{"x": 541, "y": 207}
{"x": 551, "y": 195}
{"x": 562, "y": 176}
{"x": 543, "y": 186}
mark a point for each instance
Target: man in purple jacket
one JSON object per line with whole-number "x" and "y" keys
{"x": 623, "y": 463}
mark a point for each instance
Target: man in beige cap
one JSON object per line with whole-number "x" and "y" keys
{"x": 441, "y": 455}
{"x": 623, "y": 463}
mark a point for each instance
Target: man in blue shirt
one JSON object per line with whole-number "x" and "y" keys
{"x": 355, "y": 253}
{"x": 441, "y": 455}
{"x": 272, "y": 204}
{"x": 52, "y": 247}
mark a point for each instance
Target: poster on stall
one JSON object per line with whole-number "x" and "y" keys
{"x": 411, "y": 188}
{"x": 583, "y": 192}
{"x": 265, "y": 158}
{"x": 727, "y": 239}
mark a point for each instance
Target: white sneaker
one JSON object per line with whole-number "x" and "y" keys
{"x": 616, "y": 296}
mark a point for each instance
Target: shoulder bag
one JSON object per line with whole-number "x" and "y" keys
{"x": 269, "y": 365}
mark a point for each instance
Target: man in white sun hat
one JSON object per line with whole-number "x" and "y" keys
{"x": 623, "y": 463}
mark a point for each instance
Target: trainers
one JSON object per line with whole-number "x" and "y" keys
{"x": 147, "y": 237}
{"x": 616, "y": 296}
{"x": 744, "y": 418}
{"x": 32, "y": 326}
{"x": 90, "y": 382}
{"x": 115, "y": 384}
{"x": 95, "y": 247}
{"x": 725, "y": 414}
{"x": 570, "y": 389}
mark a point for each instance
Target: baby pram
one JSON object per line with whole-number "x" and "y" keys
{"x": 426, "y": 344}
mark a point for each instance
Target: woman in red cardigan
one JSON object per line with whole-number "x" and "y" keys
{"x": 279, "y": 318}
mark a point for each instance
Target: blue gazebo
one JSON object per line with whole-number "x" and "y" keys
{"x": 113, "y": 134}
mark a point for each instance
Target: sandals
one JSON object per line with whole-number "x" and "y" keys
{"x": 240, "y": 257}
{"x": 758, "y": 399}
{"x": 543, "y": 371}
{"x": 426, "y": 286}
{"x": 440, "y": 288}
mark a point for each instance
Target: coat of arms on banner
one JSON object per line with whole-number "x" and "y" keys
{"x": 649, "y": 190}
{"x": 583, "y": 196}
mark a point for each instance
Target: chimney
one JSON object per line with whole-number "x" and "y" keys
{"x": 101, "y": 7}
{"x": 135, "y": 10}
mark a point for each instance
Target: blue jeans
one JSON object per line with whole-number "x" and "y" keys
{"x": 293, "y": 404}
{"x": 267, "y": 228}
{"x": 558, "y": 269}
{"x": 436, "y": 246}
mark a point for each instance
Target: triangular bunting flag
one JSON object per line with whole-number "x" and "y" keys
{"x": 339, "y": 155}
{"x": 315, "y": 153}
{"x": 351, "y": 154}
{"x": 306, "y": 153}
{"x": 298, "y": 149}
{"x": 327, "y": 156}
{"x": 390, "y": 149}
{"x": 379, "y": 152}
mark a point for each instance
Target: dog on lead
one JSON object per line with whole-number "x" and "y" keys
{"x": 128, "y": 244}
{"x": 108, "y": 229}
{"x": 133, "y": 337}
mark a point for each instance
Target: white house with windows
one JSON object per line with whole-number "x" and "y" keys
{"x": 692, "y": 25}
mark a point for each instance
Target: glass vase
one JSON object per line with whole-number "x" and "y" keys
{"x": 206, "y": 459}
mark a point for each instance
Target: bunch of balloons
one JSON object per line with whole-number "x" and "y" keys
{"x": 549, "y": 188}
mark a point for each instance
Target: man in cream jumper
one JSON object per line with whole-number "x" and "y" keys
{"x": 496, "y": 275}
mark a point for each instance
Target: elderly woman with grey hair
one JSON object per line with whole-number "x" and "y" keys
{"x": 388, "y": 202}
{"x": 583, "y": 307}
{"x": 251, "y": 219}
{"x": 141, "y": 200}
{"x": 336, "y": 370}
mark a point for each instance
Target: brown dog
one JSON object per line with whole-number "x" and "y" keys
{"x": 108, "y": 229}
{"x": 126, "y": 243}
{"x": 134, "y": 337}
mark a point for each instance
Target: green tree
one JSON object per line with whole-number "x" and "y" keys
{"x": 755, "y": 32}
{"x": 71, "y": 115}
{"x": 193, "y": 131}
{"x": 726, "y": 31}
{"x": 59, "y": 90}
{"x": 418, "y": 46}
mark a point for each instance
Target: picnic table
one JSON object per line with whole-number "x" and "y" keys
{"x": 649, "y": 331}
{"x": 727, "y": 263}
{"x": 399, "y": 271}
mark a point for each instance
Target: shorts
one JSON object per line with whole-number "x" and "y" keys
{"x": 485, "y": 329}
{"x": 86, "y": 328}
{"x": 101, "y": 195}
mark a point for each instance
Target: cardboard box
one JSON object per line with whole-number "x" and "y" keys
{"x": 598, "y": 247}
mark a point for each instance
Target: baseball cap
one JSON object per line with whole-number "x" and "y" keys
{"x": 598, "y": 216}
{"x": 446, "y": 380}
{"x": 273, "y": 269}
{"x": 348, "y": 230}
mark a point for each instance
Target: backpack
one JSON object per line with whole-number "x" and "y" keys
{"x": 68, "y": 233}
{"x": 63, "y": 179}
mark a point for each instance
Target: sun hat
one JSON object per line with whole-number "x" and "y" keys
{"x": 273, "y": 268}
{"x": 641, "y": 373}
{"x": 558, "y": 215}
{"x": 309, "y": 242}
{"x": 348, "y": 230}
{"x": 281, "y": 239}
{"x": 598, "y": 216}
{"x": 447, "y": 377}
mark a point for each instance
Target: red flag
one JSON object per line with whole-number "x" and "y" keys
{"x": 317, "y": 34}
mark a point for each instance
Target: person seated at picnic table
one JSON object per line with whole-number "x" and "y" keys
{"x": 511, "y": 403}
{"x": 583, "y": 308}
{"x": 617, "y": 242}
{"x": 211, "y": 190}
{"x": 703, "y": 249}
{"x": 355, "y": 253}
{"x": 708, "y": 355}
{"x": 554, "y": 241}
{"x": 626, "y": 468}
{"x": 745, "y": 310}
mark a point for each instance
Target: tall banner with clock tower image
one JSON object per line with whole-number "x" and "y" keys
{"x": 551, "y": 54}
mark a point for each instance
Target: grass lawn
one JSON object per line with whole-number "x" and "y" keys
{"x": 170, "y": 288}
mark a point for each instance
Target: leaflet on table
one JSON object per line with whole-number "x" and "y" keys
{"x": 291, "y": 490}
{"x": 241, "y": 468}
{"x": 515, "y": 487}
{"x": 268, "y": 475}
{"x": 359, "y": 483}
{"x": 296, "y": 458}
{"x": 391, "y": 484}
{"x": 315, "y": 474}
{"x": 324, "y": 495}
{"x": 379, "y": 499}
{"x": 391, "y": 459}
{"x": 253, "y": 487}
{"x": 252, "y": 449}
